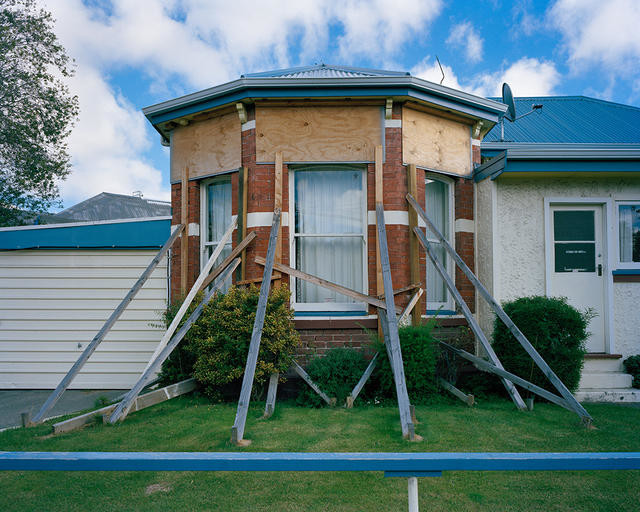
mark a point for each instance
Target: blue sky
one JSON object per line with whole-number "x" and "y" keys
{"x": 131, "y": 54}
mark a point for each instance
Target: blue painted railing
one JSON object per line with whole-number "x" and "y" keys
{"x": 393, "y": 464}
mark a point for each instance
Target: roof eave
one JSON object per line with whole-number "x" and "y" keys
{"x": 573, "y": 151}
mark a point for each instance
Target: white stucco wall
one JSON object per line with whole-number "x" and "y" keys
{"x": 484, "y": 251}
{"x": 519, "y": 250}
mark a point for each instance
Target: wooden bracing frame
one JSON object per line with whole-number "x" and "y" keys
{"x": 567, "y": 399}
{"x": 91, "y": 347}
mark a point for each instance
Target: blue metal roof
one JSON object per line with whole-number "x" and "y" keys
{"x": 324, "y": 71}
{"x": 109, "y": 234}
{"x": 571, "y": 119}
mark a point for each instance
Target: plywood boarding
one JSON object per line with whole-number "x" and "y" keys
{"x": 318, "y": 134}
{"x": 52, "y": 303}
{"x": 435, "y": 143}
{"x": 206, "y": 147}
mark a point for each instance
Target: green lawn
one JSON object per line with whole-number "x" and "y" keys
{"x": 192, "y": 424}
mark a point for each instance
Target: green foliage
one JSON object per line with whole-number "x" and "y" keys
{"x": 632, "y": 367}
{"x": 419, "y": 355}
{"x": 336, "y": 374}
{"x": 36, "y": 110}
{"x": 222, "y": 335}
{"x": 557, "y": 331}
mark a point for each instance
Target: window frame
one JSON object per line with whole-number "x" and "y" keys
{"x": 623, "y": 265}
{"x": 448, "y": 304}
{"x": 332, "y": 307}
{"x": 204, "y": 217}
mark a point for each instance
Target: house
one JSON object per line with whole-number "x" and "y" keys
{"x": 558, "y": 213}
{"x": 571, "y": 169}
{"x": 60, "y": 282}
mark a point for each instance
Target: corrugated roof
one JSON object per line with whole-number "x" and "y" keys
{"x": 571, "y": 120}
{"x": 324, "y": 71}
{"x": 107, "y": 206}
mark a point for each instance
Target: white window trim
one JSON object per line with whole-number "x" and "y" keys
{"x": 204, "y": 217}
{"x": 619, "y": 264}
{"x": 448, "y": 304}
{"x": 609, "y": 240}
{"x": 333, "y": 306}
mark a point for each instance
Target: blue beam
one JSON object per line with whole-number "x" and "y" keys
{"x": 413, "y": 463}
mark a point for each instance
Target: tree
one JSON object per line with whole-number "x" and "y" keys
{"x": 37, "y": 111}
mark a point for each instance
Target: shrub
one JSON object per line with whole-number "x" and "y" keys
{"x": 222, "y": 335}
{"x": 632, "y": 367}
{"x": 419, "y": 355}
{"x": 556, "y": 330}
{"x": 336, "y": 374}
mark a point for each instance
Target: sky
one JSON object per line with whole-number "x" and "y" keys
{"x": 130, "y": 54}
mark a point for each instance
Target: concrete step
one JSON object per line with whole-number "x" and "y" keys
{"x": 623, "y": 395}
{"x": 602, "y": 365}
{"x": 605, "y": 380}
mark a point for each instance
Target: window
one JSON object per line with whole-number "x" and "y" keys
{"x": 329, "y": 235}
{"x": 216, "y": 217}
{"x": 629, "y": 234}
{"x": 439, "y": 209}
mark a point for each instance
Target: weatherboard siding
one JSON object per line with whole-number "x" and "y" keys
{"x": 53, "y": 302}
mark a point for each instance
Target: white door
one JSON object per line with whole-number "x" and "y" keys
{"x": 577, "y": 260}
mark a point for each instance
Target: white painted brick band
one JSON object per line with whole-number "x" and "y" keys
{"x": 393, "y": 123}
{"x": 262, "y": 219}
{"x": 249, "y": 125}
{"x": 465, "y": 226}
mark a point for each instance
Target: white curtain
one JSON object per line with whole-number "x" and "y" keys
{"x": 218, "y": 218}
{"x": 626, "y": 222}
{"x": 437, "y": 209}
{"x": 329, "y": 231}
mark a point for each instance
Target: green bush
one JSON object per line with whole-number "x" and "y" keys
{"x": 556, "y": 330}
{"x": 336, "y": 374}
{"x": 632, "y": 367}
{"x": 419, "y": 355}
{"x": 222, "y": 335}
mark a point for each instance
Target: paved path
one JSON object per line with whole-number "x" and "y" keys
{"x": 15, "y": 402}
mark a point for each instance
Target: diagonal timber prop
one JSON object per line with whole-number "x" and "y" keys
{"x": 91, "y": 347}
{"x": 473, "y": 324}
{"x": 237, "y": 431}
{"x": 125, "y": 405}
{"x": 363, "y": 380}
{"x": 392, "y": 340}
{"x": 233, "y": 255}
{"x": 194, "y": 290}
{"x": 530, "y": 349}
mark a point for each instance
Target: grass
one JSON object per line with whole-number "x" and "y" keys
{"x": 192, "y": 424}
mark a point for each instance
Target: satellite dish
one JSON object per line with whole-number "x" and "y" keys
{"x": 507, "y": 99}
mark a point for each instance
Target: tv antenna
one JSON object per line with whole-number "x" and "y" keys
{"x": 510, "y": 114}
{"x": 441, "y": 70}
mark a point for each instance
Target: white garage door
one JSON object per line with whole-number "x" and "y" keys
{"x": 52, "y": 304}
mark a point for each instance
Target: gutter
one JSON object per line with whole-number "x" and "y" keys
{"x": 556, "y": 151}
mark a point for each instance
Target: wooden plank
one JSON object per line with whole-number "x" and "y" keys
{"x": 404, "y": 289}
{"x": 467, "y": 399}
{"x": 278, "y": 205}
{"x": 207, "y": 146}
{"x": 544, "y": 367}
{"x": 484, "y": 365}
{"x": 274, "y": 276}
{"x": 305, "y": 376}
{"x": 414, "y": 252}
{"x": 393, "y": 339}
{"x": 363, "y": 380}
{"x": 473, "y": 324}
{"x": 142, "y": 402}
{"x": 193, "y": 291}
{"x": 237, "y": 431}
{"x": 244, "y": 187}
{"x": 379, "y": 198}
{"x": 91, "y": 347}
{"x": 184, "y": 240}
{"x": 436, "y": 143}
{"x": 124, "y": 406}
{"x": 285, "y": 269}
{"x": 318, "y": 134}
{"x": 270, "y": 405}
{"x": 234, "y": 254}
{"x": 411, "y": 306}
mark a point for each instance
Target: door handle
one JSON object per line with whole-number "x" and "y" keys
{"x": 599, "y": 269}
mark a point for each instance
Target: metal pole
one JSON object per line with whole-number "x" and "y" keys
{"x": 413, "y": 494}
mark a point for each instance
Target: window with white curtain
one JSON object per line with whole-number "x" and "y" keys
{"x": 439, "y": 208}
{"x": 216, "y": 217}
{"x": 629, "y": 233}
{"x": 329, "y": 234}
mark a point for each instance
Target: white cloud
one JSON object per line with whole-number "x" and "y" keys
{"x": 527, "y": 77}
{"x": 463, "y": 35}
{"x": 598, "y": 33}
